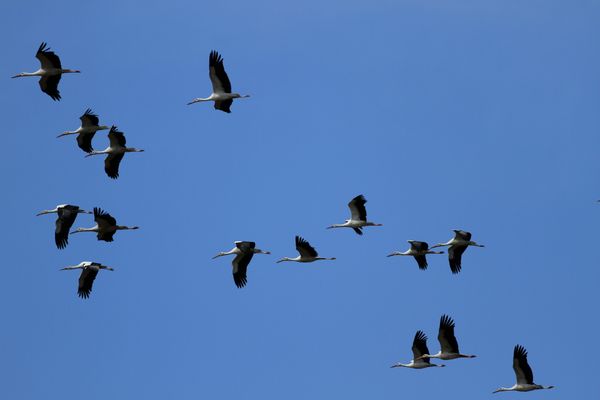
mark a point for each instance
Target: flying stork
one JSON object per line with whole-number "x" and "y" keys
{"x": 221, "y": 87}
{"x": 50, "y": 71}
{"x": 85, "y": 133}
{"x": 523, "y": 372}
{"x": 358, "y": 218}
{"x": 448, "y": 342}
{"x": 89, "y": 270}
{"x": 307, "y": 253}
{"x": 418, "y": 250}
{"x": 244, "y": 251}
{"x": 116, "y": 151}
{"x": 106, "y": 226}
{"x": 419, "y": 348}
{"x": 66, "y": 217}
{"x": 458, "y": 244}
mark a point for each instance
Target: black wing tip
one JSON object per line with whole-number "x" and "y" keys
{"x": 61, "y": 243}
{"x": 84, "y": 294}
{"x": 215, "y": 58}
{"x": 421, "y": 336}
{"x": 43, "y": 47}
{"x": 112, "y": 176}
{"x": 240, "y": 281}
{"x": 455, "y": 267}
{"x": 358, "y": 231}
{"x": 520, "y": 351}
{"x": 446, "y": 321}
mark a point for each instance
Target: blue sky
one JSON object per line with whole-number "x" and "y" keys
{"x": 481, "y": 115}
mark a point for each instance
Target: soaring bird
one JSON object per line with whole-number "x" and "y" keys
{"x": 447, "y": 341}
{"x": 458, "y": 244}
{"x": 67, "y": 214}
{"x": 221, "y": 87}
{"x": 418, "y": 250}
{"x": 307, "y": 253}
{"x": 89, "y": 270}
{"x": 116, "y": 151}
{"x": 523, "y": 372}
{"x": 85, "y": 133}
{"x": 358, "y": 218}
{"x": 50, "y": 71}
{"x": 106, "y": 226}
{"x": 419, "y": 348}
{"x": 244, "y": 251}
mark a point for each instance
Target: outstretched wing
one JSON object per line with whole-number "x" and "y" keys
{"x": 111, "y": 165}
{"x": 455, "y": 253}
{"x": 305, "y": 249}
{"x": 64, "y": 222}
{"x": 89, "y": 119}
{"x": 419, "y": 346}
{"x": 357, "y": 208}
{"x": 84, "y": 141}
{"x": 218, "y": 76}
{"x": 446, "y": 335}
{"x": 224, "y": 105}
{"x": 49, "y": 85}
{"x": 86, "y": 281}
{"x": 116, "y": 137}
{"x": 521, "y": 366}
{"x": 47, "y": 58}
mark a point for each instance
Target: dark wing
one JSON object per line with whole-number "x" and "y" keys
{"x": 419, "y": 346}
{"x": 245, "y": 246}
{"x": 240, "y": 266}
{"x": 116, "y": 137}
{"x": 419, "y": 246}
{"x": 357, "y": 208}
{"x": 224, "y": 105}
{"x": 49, "y": 85}
{"x": 422, "y": 261}
{"x": 86, "y": 280}
{"x": 305, "y": 249}
{"x": 64, "y": 222}
{"x": 89, "y": 119}
{"x": 103, "y": 219}
{"x": 84, "y": 141}
{"x": 446, "y": 335}
{"x": 106, "y": 236}
{"x": 111, "y": 165}
{"x": 358, "y": 230}
{"x": 455, "y": 257}
{"x": 218, "y": 76}
{"x": 463, "y": 235}
{"x": 521, "y": 366}
{"x": 47, "y": 58}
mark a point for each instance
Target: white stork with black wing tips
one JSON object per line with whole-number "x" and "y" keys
{"x": 457, "y": 246}
{"x": 523, "y": 372}
{"x": 244, "y": 251}
{"x": 221, "y": 87}
{"x": 89, "y": 270}
{"x": 106, "y": 226}
{"x": 358, "y": 218}
{"x": 85, "y": 133}
{"x": 418, "y": 250}
{"x": 448, "y": 342}
{"x": 419, "y": 348}
{"x": 51, "y": 70}
{"x": 67, "y": 214}
{"x": 307, "y": 253}
{"x": 116, "y": 151}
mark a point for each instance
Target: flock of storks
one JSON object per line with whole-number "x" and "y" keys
{"x": 106, "y": 226}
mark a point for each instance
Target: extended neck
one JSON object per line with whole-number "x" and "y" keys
{"x": 22, "y": 74}
{"x": 285, "y": 259}
{"x": 125, "y": 228}
{"x": 46, "y": 212}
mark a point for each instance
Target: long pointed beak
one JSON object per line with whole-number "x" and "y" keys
{"x": 217, "y": 256}
{"x": 391, "y": 255}
{"x": 40, "y": 213}
{"x": 61, "y": 135}
{"x": 16, "y": 76}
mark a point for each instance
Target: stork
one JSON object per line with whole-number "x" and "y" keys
{"x": 221, "y": 86}
{"x": 244, "y": 251}
{"x": 523, "y": 372}
{"x": 116, "y": 151}
{"x": 419, "y": 348}
{"x": 89, "y": 270}
{"x": 50, "y": 71}
{"x": 418, "y": 250}
{"x": 106, "y": 226}
{"x": 457, "y": 246}
{"x": 67, "y": 214}
{"x": 358, "y": 218}
{"x": 307, "y": 253}
{"x": 85, "y": 133}
{"x": 448, "y": 342}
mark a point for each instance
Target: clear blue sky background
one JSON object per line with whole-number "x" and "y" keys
{"x": 481, "y": 115}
